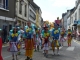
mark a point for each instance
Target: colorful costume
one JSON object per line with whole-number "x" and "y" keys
{"x": 55, "y": 43}
{"x": 38, "y": 40}
{"x": 55, "y": 35}
{"x": 46, "y": 36}
{"x": 29, "y": 41}
{"x": 62, "y": 39}
{"x": 69, "y": 36}
{"x": 13, "y": 43}
{"x": 19, "y": 40}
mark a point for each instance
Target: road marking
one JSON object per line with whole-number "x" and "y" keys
{"x": 70, "y": 48}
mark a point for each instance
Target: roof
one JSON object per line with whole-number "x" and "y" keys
{"x": 72, "y": 11}
{"x": 63, "y": 14}
{"x": 34, "y": 4}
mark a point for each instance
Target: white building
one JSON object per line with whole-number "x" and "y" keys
{"x": 32, "y": 14}
{"x": 40, "y": 17}
{"x": 64, "y": 17}
{"x": 75, "y": 17}
{"x": 21, "y": 12}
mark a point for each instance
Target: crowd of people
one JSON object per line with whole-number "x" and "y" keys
{"x": 33, "y": 38}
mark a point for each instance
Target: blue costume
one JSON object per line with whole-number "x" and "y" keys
{"x": 13, "y": 38}
{"x": 29, "y": 41}
{"x": 55, "y": 34}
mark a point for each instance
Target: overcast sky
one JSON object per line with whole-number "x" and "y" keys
{"x": 51, "y": 9}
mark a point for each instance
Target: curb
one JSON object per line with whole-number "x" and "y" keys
{"x": 5, "y": 45}
{"x": 76, "y": 41}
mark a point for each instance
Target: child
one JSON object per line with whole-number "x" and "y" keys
{"x": 62, "y": 39}
{"x": 46, "y": 35}
{"x": 69, "y": 36}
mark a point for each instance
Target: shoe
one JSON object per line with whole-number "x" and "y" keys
{"x": 30, "y": 59}
{"x": 27, "y": 58}
{"x": 53, "y": 53}
{"x": 58, "y": 53}
{"x": 46, "y": 55}
{"x": 13, "y": 59}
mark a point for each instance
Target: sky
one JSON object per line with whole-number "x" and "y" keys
{"x": 51, "y": 9}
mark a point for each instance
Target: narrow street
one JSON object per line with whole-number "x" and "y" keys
{"x": 66, "y": 53}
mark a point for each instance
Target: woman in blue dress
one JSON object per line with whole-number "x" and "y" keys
{"x": 13, "y": 47}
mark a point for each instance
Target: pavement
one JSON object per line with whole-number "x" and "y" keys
{"x": 66, "y": 53}
{"x": 5, "y": 45}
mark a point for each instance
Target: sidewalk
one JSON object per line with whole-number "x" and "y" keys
{"x": 5, "y": 45}
{"x": 75, "y": 40}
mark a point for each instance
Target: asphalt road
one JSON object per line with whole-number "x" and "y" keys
{"x": 66, "y": 53}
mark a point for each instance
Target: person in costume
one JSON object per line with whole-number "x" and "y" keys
{"x": 45, "y": 42}
{"x": 1, "y": 45}
{"x": 55, "y": 35}
{"x": 29, "y": 40}
{"x": 20, "y": 32}
{"x": 62, "y": 39}
{"x": 38, "y": 39}
{"x": 13, "y": 46}
{"x": 69, "y": 37}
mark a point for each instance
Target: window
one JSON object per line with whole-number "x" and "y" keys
{"x": 4, "y": 4}
{"x": 32, "y": 15}
{"x": 72, "y": 20}
{"x": 75, "y": 16}
{"x": 20, "y": 7}
{"x": 25, "y": 10}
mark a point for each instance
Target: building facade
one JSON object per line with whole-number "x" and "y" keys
{"x": 7, "y": 14}
{"x": 38, "y": 17}
{"x": 76, "y": 17}
{"x": 64, "y": 17}
{"x": 35, "y": 13}
{"x": 32, "y": 13}
{"x": 21, "y": 12}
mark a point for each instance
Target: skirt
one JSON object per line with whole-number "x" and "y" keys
{"x": 29, "y": 44}
{"x": 13, "y": 47}
{"x": 46, "y": 46}
{"x": 29, "y": 47}
{"x": 38, "y": 41}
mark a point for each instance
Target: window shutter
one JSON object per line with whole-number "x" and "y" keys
{"x": 3, "y": 3}
{"x": 6, "y": 4}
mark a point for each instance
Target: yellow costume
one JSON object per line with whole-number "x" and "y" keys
{"x": 29, "y": 43}
{"x": 69, "y": 39}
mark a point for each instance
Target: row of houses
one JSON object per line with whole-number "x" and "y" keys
{"x": 18, "y": 12}
{"x": 71, "y": 19}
